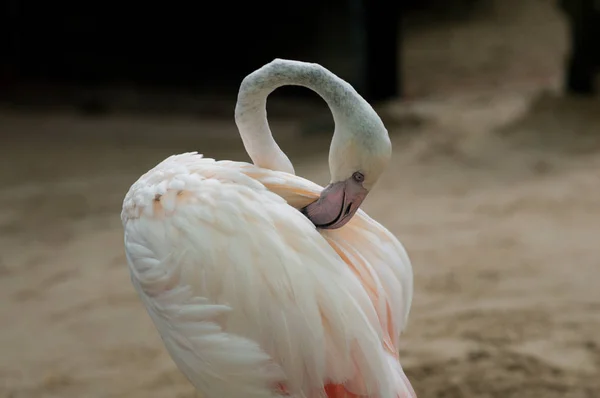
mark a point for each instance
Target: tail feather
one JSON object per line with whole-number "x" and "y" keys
{"x": 402, "y": 386}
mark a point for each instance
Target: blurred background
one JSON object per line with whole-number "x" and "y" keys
{"x": 494, "y": 186}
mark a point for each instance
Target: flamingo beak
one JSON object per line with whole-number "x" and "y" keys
{"x": 336, "y": 205}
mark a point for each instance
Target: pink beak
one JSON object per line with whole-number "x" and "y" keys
{"x": 336, "y": 205}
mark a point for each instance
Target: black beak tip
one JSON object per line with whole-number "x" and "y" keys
{"x": 304, "y": 211}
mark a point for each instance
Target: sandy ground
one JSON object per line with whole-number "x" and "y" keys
{"x": 493, "y": 190}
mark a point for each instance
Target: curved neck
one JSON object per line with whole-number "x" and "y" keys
{"x": 346, "y": 105}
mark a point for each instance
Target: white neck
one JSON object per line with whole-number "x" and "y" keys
{"x": 349, "y": 109}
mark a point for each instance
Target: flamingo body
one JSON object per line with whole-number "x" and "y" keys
{"x": 250, "y": 299}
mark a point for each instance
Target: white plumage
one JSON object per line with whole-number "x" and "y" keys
{"x": 250, "y": 299}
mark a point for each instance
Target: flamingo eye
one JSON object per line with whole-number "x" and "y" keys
{"x": 358, "y": 177}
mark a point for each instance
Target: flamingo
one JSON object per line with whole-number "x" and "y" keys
{"x": 262, "y": 283}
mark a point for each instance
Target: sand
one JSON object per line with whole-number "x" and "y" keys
{"x": 493, "y": 189}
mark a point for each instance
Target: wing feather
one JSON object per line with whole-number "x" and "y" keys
{"x": 366, "y": 246}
